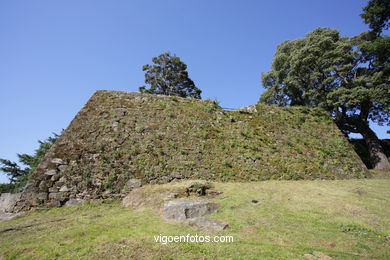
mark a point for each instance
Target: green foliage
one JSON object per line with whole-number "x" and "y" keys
{"x": 377, "y": 14}
{"x": 7, "y": 187}
{"x": 349, "y": 78}
{"x": 165, "y": 137}
{"x": 12, "y": 170}
{"x": 169, "y": 76}
{"x": 19, "y": 176}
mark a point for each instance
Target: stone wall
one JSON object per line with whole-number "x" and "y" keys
{"x": 121, "y": 136}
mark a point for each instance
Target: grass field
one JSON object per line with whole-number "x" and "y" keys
{"x": 343, "y": 219}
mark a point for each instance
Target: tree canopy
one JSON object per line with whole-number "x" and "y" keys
{"x": 349, "y": 77}
{"x": 168, "y": 76}
{"x": 377, "y": 14}
{"x": 18, "y": 175}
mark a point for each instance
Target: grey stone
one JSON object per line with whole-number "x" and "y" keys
{"x": 165, "y": 179}
{"x": 55, "y": 177}
{"x": 53, "y": 203}
{"x": 176, "y": 175}
{"x": 56, "y": 196}
{"x": 8, "y": 201}
{"x": 42, "y": 185}
{"x": 53, "y": 195}
{"x": 61, "y": 182}
{"x": 74, "y": 202}
{"x": 51, "y": 172}
{"x": 207, "y": 224}
{"x": 7, "y": 216}
{"x": 42, "y": 196}
{"x": 57, "y": 161}
{"x": 62, "y": 179}
{"x": 64, "y": 188}
{"x": 62, "y": 168}
{"x": 53, "y": 189}
{"x": 181, "y": 210}
{"x": 133, "y": 183}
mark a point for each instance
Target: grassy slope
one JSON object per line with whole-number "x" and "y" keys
{"x": 345, "y": 219}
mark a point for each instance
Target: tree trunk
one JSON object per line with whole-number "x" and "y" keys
{"x": 378, "y": 157}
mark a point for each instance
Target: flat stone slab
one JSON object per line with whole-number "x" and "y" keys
{"x": 7, "y": 216}
{"x": 181, "y": 210}
{"x": 211, "y": 225}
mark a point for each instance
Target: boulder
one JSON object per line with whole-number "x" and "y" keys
{"x": 183, "y": 209}
{"x": 8, "y": 201}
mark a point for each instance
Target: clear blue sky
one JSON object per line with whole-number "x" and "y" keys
{"x": 55, "y": 54}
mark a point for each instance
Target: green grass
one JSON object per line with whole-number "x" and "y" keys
{"x": 344, "y": 219}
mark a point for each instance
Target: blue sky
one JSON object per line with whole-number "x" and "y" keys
{"x": 56, "y": 54}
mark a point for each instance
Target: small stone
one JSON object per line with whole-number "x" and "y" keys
{"x": 49, "y": 183}
{"x": 42, "y": 186}
{"x": 53, "y": 189}
{"x": 61, "y": 182}
{"x": 64, "y": 188}
{"x": 50, "y": 172}
{"x": 57, "y": 161}
{"x": 164, "y": 179}
{"x": 74, "y": 202}
{"x": 62, "y": 179}
{"x": 176, "y": 175}
{"x": 309, "y": 256}
{"x": 53, "y": 203}
{"x": 62, "y": 168}
{"x": 55, "y": 177}
{"x": 133, "y": 183}
{"x": 60, "y": 196}
{"x": 53, "y": 195}
{"x": 321, "y": 256}
{"x": 41, "y": 196}
{"x": 200, "y": 188}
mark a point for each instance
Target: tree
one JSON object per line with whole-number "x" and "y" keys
{"x": 169, "y": 76}
{"x": 347, "y": 77}
{"x": 13, "y": 170}
{"x": 377, "y": 14}
{"x": 18, "y": 176}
